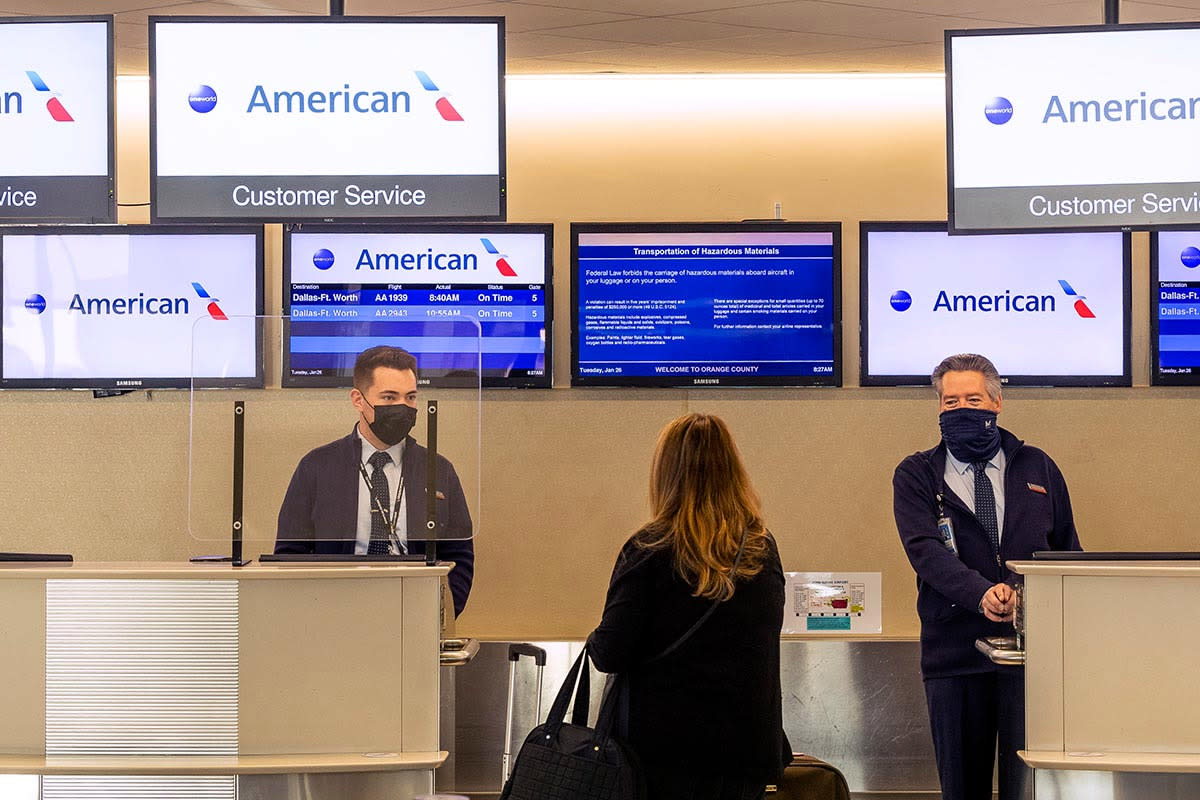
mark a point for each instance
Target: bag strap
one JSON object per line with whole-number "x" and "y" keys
{"x": 616, "y": 700}
{"x": 558, "y": 710}
{"x": 671, "y": 648}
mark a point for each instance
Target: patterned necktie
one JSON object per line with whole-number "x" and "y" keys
{"x": 985, "y": 505}
{"x": 380, "y": 500}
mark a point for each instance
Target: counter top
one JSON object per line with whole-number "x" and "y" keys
{"x": 1112, "y": 762}
{"x": 219, "y": 765}
{"x": 182, "y": 570}
{"x": 1145, "y": 569}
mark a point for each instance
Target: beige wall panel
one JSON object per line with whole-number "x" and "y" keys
{"x": 1131, "y": 646}
{"x": 23, "y": 666}
{"x": 310, "y": 654}
{"x": 562, "y": 478}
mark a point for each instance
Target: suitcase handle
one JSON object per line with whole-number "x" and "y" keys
{"x": 515, "y": 651}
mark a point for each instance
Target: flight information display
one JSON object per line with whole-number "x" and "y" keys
{"x": 471, "y": 302}
{"x": 1175, "y": 308}
{"x": 706, "y": 304}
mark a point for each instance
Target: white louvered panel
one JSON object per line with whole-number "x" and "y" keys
{"x": 140, "y": 787}
{"x": 141, "y": 667}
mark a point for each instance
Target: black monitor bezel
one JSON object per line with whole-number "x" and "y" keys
{"x": 546, "y": 229}
{"x": 136, "y": 382}
{"x": 831, "y": 380}
{"x": 502, "y": 178}
{"x": 1157, "y": 377}
{"x": 1091, "y": 381}
{"x": 950, "y": 35}
{"x": 52, "y": 219}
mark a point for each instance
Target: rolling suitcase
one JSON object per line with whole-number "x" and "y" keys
{"x": 515, "y": 651}
{"x": 809, "y": 778}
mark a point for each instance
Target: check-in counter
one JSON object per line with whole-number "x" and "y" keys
{"x": 283, "y": 680}
{"x": 1112, "y": 695}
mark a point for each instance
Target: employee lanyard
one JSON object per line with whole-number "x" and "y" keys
{"x": 388, "y": 519}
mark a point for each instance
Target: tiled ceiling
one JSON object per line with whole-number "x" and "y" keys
{"x": 669, "y": 36}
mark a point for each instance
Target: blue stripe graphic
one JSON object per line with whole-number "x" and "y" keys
{"x": 37, "y": 81}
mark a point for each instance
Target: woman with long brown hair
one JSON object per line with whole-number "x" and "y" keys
{"x": 705, "y": 718}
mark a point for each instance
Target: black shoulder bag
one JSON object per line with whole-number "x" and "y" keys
{"x": 562, "y": 760}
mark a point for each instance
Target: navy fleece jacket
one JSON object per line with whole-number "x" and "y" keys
{"x": 1037, "y": 516}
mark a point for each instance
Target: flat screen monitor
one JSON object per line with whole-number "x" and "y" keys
{"x": 1073, "y": 128}
{"x": 326, "y": 118}
{"x": 706, "y": 304}
{"x": 57, "y": 151}
{"x": 1049, "y": 309}
{"x": 350, "y": 287}
{"x": 1175, "y": 308}
{"x": 118, "y": 307}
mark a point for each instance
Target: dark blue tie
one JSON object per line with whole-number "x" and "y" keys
{"x": 985, "y": 505}
{"x": 380, "y": 503}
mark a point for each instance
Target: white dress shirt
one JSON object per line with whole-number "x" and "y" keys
{"x": 362, "y": 538}
{"x": 960, "y": 479}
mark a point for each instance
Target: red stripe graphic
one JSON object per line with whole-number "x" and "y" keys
{"x": 505, "y": 268}
{"x": 1081, "y": 308}
{"x": 57, "y": 112}
{"x": 447, "y": 111}
{"x": 215, "y": 311}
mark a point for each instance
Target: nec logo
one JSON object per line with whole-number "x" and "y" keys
{"x": 501, "y": 260}
{"x": 58, "y": 113}
{"x": 1081, "y": 308}
{"x": 448, "y": 111}
{"x": 214, "y": 310}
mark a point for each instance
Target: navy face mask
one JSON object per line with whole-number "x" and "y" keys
{"x": 971, "y": 434}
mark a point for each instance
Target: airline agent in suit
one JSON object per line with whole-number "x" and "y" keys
{"x": 345, "y": 498}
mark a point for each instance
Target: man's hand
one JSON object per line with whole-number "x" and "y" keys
{"x": 998, "y": 603}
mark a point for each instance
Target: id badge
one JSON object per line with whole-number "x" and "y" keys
{"x": 946, "y": 530}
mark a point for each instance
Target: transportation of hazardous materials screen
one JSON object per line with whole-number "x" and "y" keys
{"x": 706, "y": 304}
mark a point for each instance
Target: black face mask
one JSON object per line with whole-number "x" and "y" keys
{"x": 392, "y": 423}
{"x": 971, "y": 434}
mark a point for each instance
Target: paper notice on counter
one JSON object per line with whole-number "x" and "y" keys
{"x": 833, "y": 602}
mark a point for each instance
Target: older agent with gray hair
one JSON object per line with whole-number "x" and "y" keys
{"x": 964, "y": 508}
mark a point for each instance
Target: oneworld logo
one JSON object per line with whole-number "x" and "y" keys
{"x": 53, "y": 105}
{"x": 502, "y": 264}
{"x": 901, "y": 300}
{"x": 35, "y": 303}
{"x": 202, "y": 99}
{"x": 1190, "y": 257}
{"x": 998, "y": 110}
{"x": 323, "y": 259}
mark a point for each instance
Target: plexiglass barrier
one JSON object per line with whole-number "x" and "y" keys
{"x": 303, "y": 458}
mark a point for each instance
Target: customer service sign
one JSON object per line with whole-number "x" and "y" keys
{"x": 1074, "y": 127}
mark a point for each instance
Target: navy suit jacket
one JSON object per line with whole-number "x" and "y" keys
{"x": 319, "y": 513}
